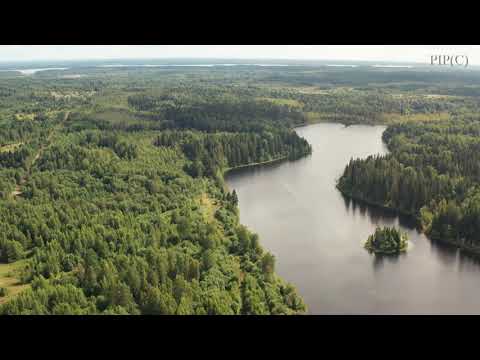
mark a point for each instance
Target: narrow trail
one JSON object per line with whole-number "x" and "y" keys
{"x": 24, "y": 178}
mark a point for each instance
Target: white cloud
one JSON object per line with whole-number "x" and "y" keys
{"x": 401, "y": 53}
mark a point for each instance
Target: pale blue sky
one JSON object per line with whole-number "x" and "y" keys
{"x": 400, "y": 53}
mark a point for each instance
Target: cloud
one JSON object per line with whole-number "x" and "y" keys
{"x": 401, "y": 53}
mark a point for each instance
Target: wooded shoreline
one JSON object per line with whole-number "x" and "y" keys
{"x": 255, "y": 164}
{"x": 472, "y": 251}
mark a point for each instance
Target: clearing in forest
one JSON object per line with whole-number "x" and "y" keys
{"x": 9, "y": 279}
{"x": 208, "y": 206}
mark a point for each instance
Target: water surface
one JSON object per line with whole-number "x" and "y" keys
{"x": 317, "y": 235}
{"x": 34, "y": 71}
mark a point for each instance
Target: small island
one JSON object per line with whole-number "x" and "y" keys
{"x": 387, "y": 241}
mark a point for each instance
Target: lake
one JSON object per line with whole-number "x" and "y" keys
{"x": 317, "y": 235}
{"x": 34, "y": 71}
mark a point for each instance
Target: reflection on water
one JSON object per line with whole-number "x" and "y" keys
{"x": 379, "y": 215}
{"x": 317, "y": 235}
{"x": 379, "y": 260}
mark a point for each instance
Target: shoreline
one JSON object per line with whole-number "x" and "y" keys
{"x": 469, "y": 250}
{"x": 227, "y": 170}
{"x": 378, "y": 205}
{"x": 466, "y": 249}
{"x": 472, "y": 251}
{"x": 224, "y": 172}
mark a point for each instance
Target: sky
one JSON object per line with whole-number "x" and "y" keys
{"x": 397, "y": 53}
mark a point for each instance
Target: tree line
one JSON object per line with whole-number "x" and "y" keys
{"x": 432, "y": 173}
{"x": 210, "y": 153}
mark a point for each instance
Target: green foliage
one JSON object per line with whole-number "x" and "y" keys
{"x": 432, "y": 173}
{"x": 104, "y": 204}
{"x": 109, "y": 217}
{"x": 210, "y": 153}
{"x": 387, "y": 241}
{"x": 11, "y": 250}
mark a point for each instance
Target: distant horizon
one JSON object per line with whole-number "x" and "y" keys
{"x": 30, "y": 67}
{"x": 185, "y": 61}
{"x": 412, "y": 54}
{"x": 262, "y": 59}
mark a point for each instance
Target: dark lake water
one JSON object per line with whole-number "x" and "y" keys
{"x": 317, "y": 236}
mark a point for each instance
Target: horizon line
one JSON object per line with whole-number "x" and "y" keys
{"x": 207, "y": 58}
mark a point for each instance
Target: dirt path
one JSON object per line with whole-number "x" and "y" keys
{"x": 24, "y": 178}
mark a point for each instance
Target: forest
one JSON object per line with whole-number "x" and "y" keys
{"x": 386, "y": 241}
{"x": 111, "y": 183}
{"x": 432, "y": 173}
{"x": 101, "y": 218}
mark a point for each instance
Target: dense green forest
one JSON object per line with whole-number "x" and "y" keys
{"x": 103, "y": 218}
{"x": 211, "y": 153}
{"x": 111, "y": 179}
{"x": 432, "y": 173}
{"x": 387, "y": 241}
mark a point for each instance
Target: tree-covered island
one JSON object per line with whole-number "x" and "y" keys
{"x": 387, "y": 241}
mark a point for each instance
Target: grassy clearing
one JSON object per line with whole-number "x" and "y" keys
{"x": 386, "y": 118}
{"x": 312, "y": 90}
{"x": 315, "y": 117}
{"x": 394, "y": 118}
{"x": 25, "y": 116}
{"x": 441, "y": 96}
{"x": 10, "y": 147}
{"x": 9, "y": 279}
{"x": 207, "y": 206}
{"x": 71, "y": 94}
{"x": 289, "y": 102}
